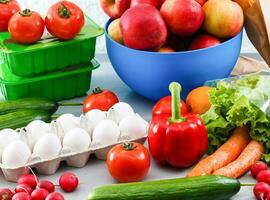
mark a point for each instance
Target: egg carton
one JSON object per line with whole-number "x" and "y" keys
{"x": 73, "y": 139}
{"x": 49, "y": 167}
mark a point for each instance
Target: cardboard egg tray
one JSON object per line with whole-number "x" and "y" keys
{"x": 72, "y": 159}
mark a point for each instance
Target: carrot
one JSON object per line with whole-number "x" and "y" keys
{"x": 250, "y": 155}
{"x": 225, "y": 154}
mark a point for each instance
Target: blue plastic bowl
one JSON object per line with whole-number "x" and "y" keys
{"x": 150, "y": 73}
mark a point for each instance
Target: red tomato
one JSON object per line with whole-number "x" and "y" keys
{"x": 99, "y": 99}
{"x": 164, "y": 107}
{"x": 26, "y": 27}
{"x": 129, "y": 162}
{"x": 64, "y": 20}
{"x": 7, "y": 9}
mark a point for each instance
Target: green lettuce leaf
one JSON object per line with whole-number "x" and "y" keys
{"x": 238, "y": 103}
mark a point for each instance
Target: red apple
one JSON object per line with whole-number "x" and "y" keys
{"x": 223, "y": 18}
{"x": 204, "y": 41}
{"x": 201, "y": 2}
{"x": 156, "y": 3}
{"x": 115, "y": 8}
{"x": 143, "y": 28}
{"x": 166, "y": 49}
{"x": 183, "y": 17}
{"x": 114, "y": 31}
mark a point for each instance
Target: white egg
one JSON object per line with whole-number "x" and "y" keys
{"x": 132, "y": 127}
{"x": 106, "y": 132}
{"x": 94, "y": 117}
{"x": 77, "y": 140}
{"x": 47, "y": 147}
{"x": 123, "y": 110}
{"x": 65, "y": 123}
{"x": 35, "y": 130}
{"x": 6, "y": 137}
{"x": 16, "y": 154}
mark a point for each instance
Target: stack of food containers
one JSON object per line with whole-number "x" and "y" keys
{"x": 50, "y": 68}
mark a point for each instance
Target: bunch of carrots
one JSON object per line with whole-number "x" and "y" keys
{"x": 233, "y": 159}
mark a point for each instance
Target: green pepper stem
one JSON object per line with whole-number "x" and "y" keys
{"x": 175, "y": 89}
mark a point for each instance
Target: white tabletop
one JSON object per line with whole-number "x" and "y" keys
{"x": 95, "y": 172}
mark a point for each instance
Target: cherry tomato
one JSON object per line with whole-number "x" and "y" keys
{"x": 129, "y": 162}
{"x": 7, "y": 9}
{"x": 26, "y": 27}
{"x": 100, "y": 99}
{"x": 68, "y": 182}
{"x": 164, "y": 107}
{"x": 64, "y": 20}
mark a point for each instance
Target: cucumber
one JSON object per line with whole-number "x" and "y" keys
{"x": 192, "y": 188}
{"x": 21, "y": 118}
{"x": 28, "y": 103}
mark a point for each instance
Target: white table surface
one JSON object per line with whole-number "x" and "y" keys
{"x": 95, "y": 172}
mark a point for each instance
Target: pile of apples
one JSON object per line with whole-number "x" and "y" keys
{"x": 172, "y": 25}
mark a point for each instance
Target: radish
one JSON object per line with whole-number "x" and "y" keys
{"x": 28, "y": 179}
{"x": 257, "y": 167}
{"x": 268, "y": 196}
{"x": 55, "y": 196}
{"x": 39, "y": 194}
{"x": 264, "y": 176}
{"x": 68, "y": 182}
{"x": 21, "y": 196}
{"x": 47, "y": 185}
{"x": 23, "y": 188}
{"x": 261, "y": 190}
{"x": 6, "y": 194}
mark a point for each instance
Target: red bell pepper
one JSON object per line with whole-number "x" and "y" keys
{"x": 164, "y": 107}
{"x": 180, "y": 140}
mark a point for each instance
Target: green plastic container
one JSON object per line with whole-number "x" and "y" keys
{"x": 64, "y": 84}
{"x": 51, "y": 54}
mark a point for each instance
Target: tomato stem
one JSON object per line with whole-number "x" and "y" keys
{"x": 175, "y": 89}
{"x": 26, "y": 12}
{"x": 4, "y": 1}
{"x": 97, "y": 90}
{"x": 63, "y": 11}
{"x": 128, "y": 146}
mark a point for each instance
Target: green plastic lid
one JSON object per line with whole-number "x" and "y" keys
{"x": 90, "y": 30}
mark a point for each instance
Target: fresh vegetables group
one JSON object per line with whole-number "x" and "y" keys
{"x": 230, "y": 120}
{"x": 64, "y": 20}
{"x": 30, "y": 188}
{"x": 170, "y": 25}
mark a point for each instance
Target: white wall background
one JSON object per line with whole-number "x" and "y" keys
{"x": 92, "y": 9}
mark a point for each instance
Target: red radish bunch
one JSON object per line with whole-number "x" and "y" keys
{"x": 262, "y": 175}
{"x": 29, "y": 188}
